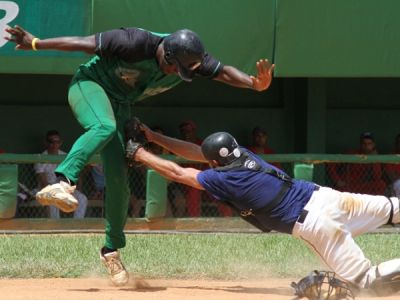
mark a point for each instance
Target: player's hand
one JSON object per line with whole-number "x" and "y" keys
{"x": 264, "y": 75}
{"x": 21, "y": 37}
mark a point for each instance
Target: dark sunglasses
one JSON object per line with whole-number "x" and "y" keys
{"x": 54, "y": 141}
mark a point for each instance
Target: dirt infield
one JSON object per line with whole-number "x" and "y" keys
{"x": 99, "y": 289}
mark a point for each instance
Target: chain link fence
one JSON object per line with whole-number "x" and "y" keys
{"x": 183, "y": 201}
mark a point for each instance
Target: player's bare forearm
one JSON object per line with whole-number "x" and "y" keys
{"x": 168, "y": 169}
{"x": 232, "y": 76}
{"x": 84, "y": 44}
{"x": 24, "y": 40}
{"x": 181, "y": 148}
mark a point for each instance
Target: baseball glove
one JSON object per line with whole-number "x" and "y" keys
{"x": 133, "y": 131}
{"x": 321, "y": 285}
{"x": 134, "y": 139}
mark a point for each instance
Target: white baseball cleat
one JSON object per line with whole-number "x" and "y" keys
{"x": 118, "y": 274}
{"x": 59, "y": 195}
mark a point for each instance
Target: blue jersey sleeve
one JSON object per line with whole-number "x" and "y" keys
{"x": 208, "y": 179}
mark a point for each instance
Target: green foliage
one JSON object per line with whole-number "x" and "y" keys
{"x": 211, "y": 256}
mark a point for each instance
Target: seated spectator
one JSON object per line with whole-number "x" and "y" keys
{"x": 392, "y": 172}
{"x": 96, "y": 171}
{"x": 45, "y": 174}
{"x": 188, "y": 132}
{"x": 359, "y": 178}
{"x": 193, "y": 197}
{"x": 259, "y": 143}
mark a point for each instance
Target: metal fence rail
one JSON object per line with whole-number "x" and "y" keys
{"x": 375, "y": 174}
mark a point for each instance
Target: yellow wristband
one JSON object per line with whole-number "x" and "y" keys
{"x": 34, "y": 44}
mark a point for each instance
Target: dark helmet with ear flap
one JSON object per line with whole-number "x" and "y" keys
{"x": 222, "y": 147}
{"x": 184, "y": 49}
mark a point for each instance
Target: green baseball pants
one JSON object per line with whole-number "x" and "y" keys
{"x": 103, "y": 120}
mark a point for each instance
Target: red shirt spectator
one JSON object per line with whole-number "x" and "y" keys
{"x": 359, "y": 178}
{"x": 392, "y": 171}
{"x": 188, "y": 131}
{"x": 260, "y": 144}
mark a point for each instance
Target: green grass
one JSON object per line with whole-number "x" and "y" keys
{"x": 212, "y": 256}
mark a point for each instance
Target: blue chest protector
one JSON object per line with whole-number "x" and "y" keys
{"x": 261, "y": 217}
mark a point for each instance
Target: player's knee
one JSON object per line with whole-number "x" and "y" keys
{"x": 107, "y": 130}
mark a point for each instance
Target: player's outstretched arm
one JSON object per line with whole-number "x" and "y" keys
{"x": 187, "y": 150}
{"x": 168, "y": 169}
{"x": 232, "y": 76}
{"x": 27, "y": 41}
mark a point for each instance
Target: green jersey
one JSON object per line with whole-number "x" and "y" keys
{"x": 126, "y": 65}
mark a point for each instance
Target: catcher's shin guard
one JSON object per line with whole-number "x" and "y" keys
{"x": 387, "y": 278}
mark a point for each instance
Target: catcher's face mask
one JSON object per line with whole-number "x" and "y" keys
{"x": 321, "y": 285}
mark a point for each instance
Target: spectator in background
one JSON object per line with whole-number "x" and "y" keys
{"x": 194, "y": 197}
{"x": 359, "y": 178}
{"x": 96, "y": 171}
{"x": 259, "y": 143}
{"x": 392, "y": 172}
{"x": 2, "y": 151}
{"x": 188, "y": 133}
{"x": 45, "y": 174}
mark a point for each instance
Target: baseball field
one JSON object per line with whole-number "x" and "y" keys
{"x": 166, "y": 266}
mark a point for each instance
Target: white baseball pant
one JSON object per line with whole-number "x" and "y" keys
{"x": 333, "y": 219}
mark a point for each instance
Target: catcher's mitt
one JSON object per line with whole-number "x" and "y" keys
{"x": 133, "y": 131}
{"x": 134, "y": 139}
{"x": 321, "y": 285}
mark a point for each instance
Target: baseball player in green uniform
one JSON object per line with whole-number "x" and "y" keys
{"x": 129, "y": 64}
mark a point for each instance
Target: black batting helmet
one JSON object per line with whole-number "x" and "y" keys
{"x": 222, "y": 147}
{"x": 184, "y": 49}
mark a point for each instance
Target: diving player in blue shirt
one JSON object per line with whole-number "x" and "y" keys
{"x": 325, "y": 219}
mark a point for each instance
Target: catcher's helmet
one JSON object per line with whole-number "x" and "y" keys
{"x": 222, "y": 147}
{"x": 184, "y": 49}
{"x": 322, "y": 285}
